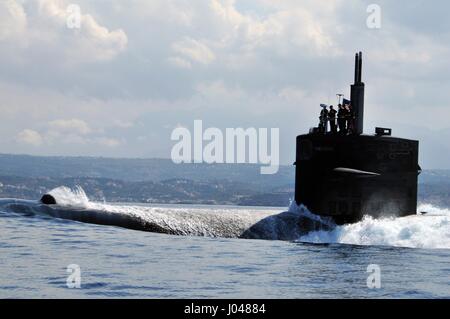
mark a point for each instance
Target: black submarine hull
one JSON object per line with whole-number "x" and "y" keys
{"x": 346, "y": 177}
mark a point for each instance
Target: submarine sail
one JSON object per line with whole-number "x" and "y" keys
{"x": 347, "y": 175}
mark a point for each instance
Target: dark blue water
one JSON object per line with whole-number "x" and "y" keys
{"x": 116, "y": 262}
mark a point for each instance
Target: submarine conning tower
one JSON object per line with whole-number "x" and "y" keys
{"x": 347, "y": 176}
{"x": 357, "y": 95}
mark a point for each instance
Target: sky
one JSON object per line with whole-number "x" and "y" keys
{"x": 137, "y": 69}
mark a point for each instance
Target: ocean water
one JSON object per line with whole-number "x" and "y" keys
{"x": 208, "y": 252}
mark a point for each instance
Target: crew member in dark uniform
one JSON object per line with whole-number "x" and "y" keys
{"x": 350, "y": 118}
{"x": 332, "y": 118}
{"x": 341, "y": 119}
{"x": 323, "y": 124}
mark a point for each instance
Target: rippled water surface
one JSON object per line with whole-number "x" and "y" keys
{"x": 35, "y": 251}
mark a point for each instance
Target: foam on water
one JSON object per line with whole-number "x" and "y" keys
{"x": 70, "y": 197}
{"x": 418, "y": 231}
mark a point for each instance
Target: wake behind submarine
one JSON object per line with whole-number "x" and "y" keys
{"x": 347, "y": 175}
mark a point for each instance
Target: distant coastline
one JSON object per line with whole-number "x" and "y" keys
{"x": 161, "y": 181}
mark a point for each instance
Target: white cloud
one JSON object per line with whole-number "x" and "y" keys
{"x": 70, "y": 125}
{"x": 30, "y": 137}
{"x": 76, "y": 131}
{"x": 179, "y": 62}
{"x": 292, "y": 94}
{"x": 285, "y": 28}
{"x": 13, "y": 20}
{"x": 109, "y": 142}
{"x": 123, "y": 124}
{"x": 194, "y": 50}
{"x": 233, "y": 63}
{"x": 91, "y": 42}
{"x": 40, "y": 27}
{"x": 218, "y": 89}
{"x": 67, "y": 133}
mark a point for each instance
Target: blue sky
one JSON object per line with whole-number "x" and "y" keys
{"x": 136, "y": 69}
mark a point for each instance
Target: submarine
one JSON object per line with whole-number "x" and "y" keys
{"x": 48, "y": 199}
{"x": 345, "y": 176}
{"x": 349, "y": 176}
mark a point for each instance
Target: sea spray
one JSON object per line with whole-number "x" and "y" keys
{"x": 421, "y": 231}
{"x": 418, "y": 231}
{"x": 66, "y": 196}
